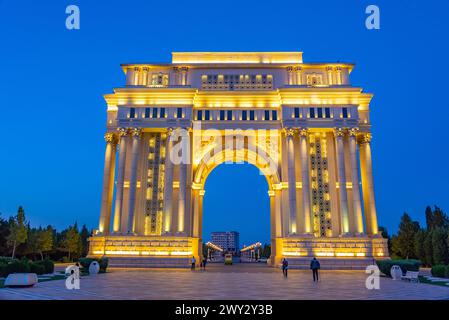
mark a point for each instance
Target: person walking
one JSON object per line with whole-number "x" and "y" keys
{"x": 284, "y": 267}
{"x": 193, "y": 263}
{"x": 204, "y": 263}
{"x": 315, "y": 266}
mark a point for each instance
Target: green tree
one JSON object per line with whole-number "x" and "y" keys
{"x": 384, "y": 232}
{"x": 84, "y": 234}
{"x": 72, "y": 241}
{"x": 436, "y": 218}
{"x": 419, "y": 240}
{"x": 428, "y": 248}
{"x": 439, "y": 246}
{"x": 17, "y": 231}
{"x": 4, "y": 232}
{"x": 403, "y": 243}
{"x": 45, "y": 241}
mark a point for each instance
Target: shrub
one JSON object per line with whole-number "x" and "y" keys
{"x": 3, "y": 269}
{"x": 37, "y": 268}
{"x": 85, "y": 263}
{"x": 405, "y": 265}
{"x": 5, "y": 260}
{"x": 48, "y": 265}
{"x": 438, "y": 270}
{"x": 103, "y": 262}
{"x": 17, "y": 266}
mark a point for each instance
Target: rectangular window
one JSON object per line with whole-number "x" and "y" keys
{"x": 244, "y": 115}
{"x": 179, "y": 113}
{"x": 207, "y": 114}
{"x": 147, "y": 112}
{"x": 222, "y": 114}
{"x": 251, "y": 115}
{"x": 345, "y": 112}
{"x": 327, "y": 112}
{"x": 320, "y": 112}
{"x": 200, "y": 115}
{"x": 162, "y": 113}
{"x": 296, "y": 113}
{"x": 155, "y": 113}
{"x": 274, "y": 115}
{"x": 312, "y": 112}
{"x": 267, "y": 115}
{"x": 229, "y": 114}
{"x": 132, "y": 113}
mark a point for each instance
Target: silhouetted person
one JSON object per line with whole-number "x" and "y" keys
{"x": 193, "y": 263}
{"x": 284, "y": 267}
{"x": 315, "y": 266}
{"x": 204, "y": 263}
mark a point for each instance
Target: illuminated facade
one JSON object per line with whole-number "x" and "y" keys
{"x": 302, "y": 124}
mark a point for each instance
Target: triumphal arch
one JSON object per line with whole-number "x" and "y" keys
{"x": 302, "y": 124}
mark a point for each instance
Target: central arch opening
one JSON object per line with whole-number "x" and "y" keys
{"x": 236, "y": 199}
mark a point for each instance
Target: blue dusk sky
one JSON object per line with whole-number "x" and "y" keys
{"x": 53, "y": 113}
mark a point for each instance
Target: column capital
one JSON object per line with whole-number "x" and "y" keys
{"x": 184, "y": 69}
{"x": 339, "y": 132}
{"x": 289, "y": 132}
{"x": 136, "y": 132}
{"x": 365, "y": 138}
{"x": 289, "y": 69}
{"x": 122, "y": 132}
{"x": 303, "y": 132}
{"x": 329, "y": 68}
{"x": 353, "y": 132}
{"x": 298, "y": 68}
{"x": 110, "y": 137}
{"x": 170, "y": 131}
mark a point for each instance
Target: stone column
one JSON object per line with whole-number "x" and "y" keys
{"x": 339, "y": 75}
{"x": 344, "y": 211}
{"x": 368, "y": 185}
{"x": 330, "y": 80}
{"x": 168, "y": 186}
{"x": 290, "y": 75}
{"x": 184, "y": 71}
{"x": 108, "y": 183}
{"x": 357, "y": 208}
{"x": 182, "y": 197}
{"x": 120, "y": 180}
{"x": 298, "y": 72}
{"x": 136, "y": 133}
{"x": 291, "y": 180}
{"x": 304, "y": 156}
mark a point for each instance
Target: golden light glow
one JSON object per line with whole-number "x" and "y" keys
{"x": 236, "y": 57}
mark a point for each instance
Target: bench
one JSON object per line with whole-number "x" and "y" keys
{"x": 412, "y": 276}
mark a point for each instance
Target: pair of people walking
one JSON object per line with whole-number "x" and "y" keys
{"x": 202, "y": 264}
{"x": 314, "y": 266}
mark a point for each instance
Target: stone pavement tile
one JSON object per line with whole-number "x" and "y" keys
{"x": 250, "y": 283}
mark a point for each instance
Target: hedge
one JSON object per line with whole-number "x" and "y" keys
{"x": 85, "y": 263}
{"x": 405, "y": 265}
{"x": 25, "y": 266}
{"x": 440, "y": 271}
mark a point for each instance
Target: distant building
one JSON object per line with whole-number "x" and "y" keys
{"x": 228, "y": 240}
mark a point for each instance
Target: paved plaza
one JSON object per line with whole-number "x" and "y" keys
{"x": 226, "y": 282}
